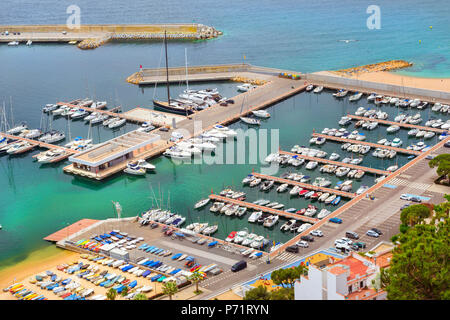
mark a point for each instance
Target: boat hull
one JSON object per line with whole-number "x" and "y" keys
{"x": 162, "y": 105}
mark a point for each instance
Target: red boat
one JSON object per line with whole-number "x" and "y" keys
{"x": 301, "y": 211}
{"x": 314, "y": 196}
{"x": 231, "y": 236}
{"x": 303, "y": 192}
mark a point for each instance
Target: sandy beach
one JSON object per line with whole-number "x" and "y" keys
{"x": 37, "y": 262}
{"x": 407, "y": 81}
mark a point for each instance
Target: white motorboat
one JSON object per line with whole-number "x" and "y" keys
{"x": 210, "y": 230}
{"x": 261, "y": 114}
{"x": 217, "y": 206}
{"x": 134, "y": 170}
{"x": 270, "y": 221}
{"x": 99, "y": 119}
{"x": 117, "y": 123}
{"x": 80, "y": 113}
{"x": 49, "y": 108}
{"x": 251, "y": 121}
{"x": 311, "y": 165}
{"x": 52, "y": 137}
{"x": 31, "y": 134}
{"x": 396, "y": 142}
{"x": 309, "y": 87}
{"x": 245, "y": 87}
{"x": 255, "y": 216}
{"x": 318, "y": 89}
{"x": 340, "y": 93}
{"x": 392, "y": 168}
{"x": 429, "y": 135}
{"x": 323, "y": 213}
{"x": 295, "y": 190}
{"x": 355, "y": 97}
{"x": 334, "y": 156}
{"x": 283, "y": 187}
{"x": 13, "y": 43}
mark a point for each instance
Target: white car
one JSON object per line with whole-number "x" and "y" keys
{"x": 339, "y": 242}
{"x": 405, "y": 197}
{"x": 372, "y": 233}
{"x": 302, "y": 244}
{"x": 347, "y": 240}
{"x": 316, "y": 233}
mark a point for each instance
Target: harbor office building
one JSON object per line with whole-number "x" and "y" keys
{"x": 113, "y": 155}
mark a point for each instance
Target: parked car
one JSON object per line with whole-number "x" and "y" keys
{"x": 224, "y": 104}
{"x": 447, "y": 144}
{"x": 360, "y": 244}
{"x": 302, "y": 244}
{"x": 416, "y": 199}
{"x": 230, "y": 101}
{"x": 164, "y": 129}
{"x": 339, "y": 241}
{"x": 335, "y": 220}
{"x": 307, "y": 238}
{"x": 239, "y": 266}
{"x": 372, "y": 233}
{"x": 316, "y": 233}
{"x": 405, "y": 197}
{"x": 293, "y": 249}
{"x": 377, "y": 231}
{"x": 405, "y": 206}
{"x": 352, "y": 235}
{"x": 354, "y": 247}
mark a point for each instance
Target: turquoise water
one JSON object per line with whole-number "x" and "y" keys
{"x": 296, "y": 35}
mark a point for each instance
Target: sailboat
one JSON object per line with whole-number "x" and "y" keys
{"x": 171, "y": 106}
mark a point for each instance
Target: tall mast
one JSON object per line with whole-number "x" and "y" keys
{"x": 185, "y": 59}
{"x": 167, "y": 69}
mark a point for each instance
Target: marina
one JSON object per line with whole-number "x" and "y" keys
{"x": 208, "y": 141}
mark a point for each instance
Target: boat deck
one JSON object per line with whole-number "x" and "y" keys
{"x": 338, "y": 163}
{"x": 371, "y": 144}
{"x": 305, "y": 185}
{"x": 262, "y": 208}
{"x": 402, "y": 125}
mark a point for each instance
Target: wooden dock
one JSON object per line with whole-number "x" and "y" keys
{"x": 371, "y": 144}
{"x": 337, "y": 163}
{"x": 37, "y": 143}
{"x": 262, "y": 208}
{"x": 305, "y": 185}
{"x": 402, "y": 125}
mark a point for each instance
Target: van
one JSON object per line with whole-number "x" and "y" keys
{"x": 239, "y": 266}
{"x": 352, "y": 235}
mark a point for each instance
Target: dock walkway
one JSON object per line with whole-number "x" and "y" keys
{"x": 391, "y": 123}
{"x": 305, "y": 185}
{"x": 262, "y": 208}
{"x": 371, "y": 144}
{"x": 337, "y": 163}
{"x": 36, "y": 143}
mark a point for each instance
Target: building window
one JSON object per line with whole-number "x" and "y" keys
{"x": 349, "y": 289}
{"x": 361, "y": 284}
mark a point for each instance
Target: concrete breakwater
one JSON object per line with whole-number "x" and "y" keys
{"x": 93, "y": 36}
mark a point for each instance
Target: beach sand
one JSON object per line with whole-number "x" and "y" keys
{"x": 36, "y": 262}
{"x": 407, "y": 81}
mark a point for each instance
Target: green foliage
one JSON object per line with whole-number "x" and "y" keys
{"x": 111, "y": 294}
{"x": 394, "y": 238}
{"x": 404, "y": 228}
{"x": 283, "y": 294}
{"x": 140, "y": 296}
{"x": 258, "y": 293}
{"x": 414, "y": 214}
{"x": 124, "y": 292}
{"x": 287, "y": 277}
{"x": 170, "y": 288}
{"x": 442, "y": 162}
{"x": 419, "y": 267}
{"x": 196, "y": 277}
